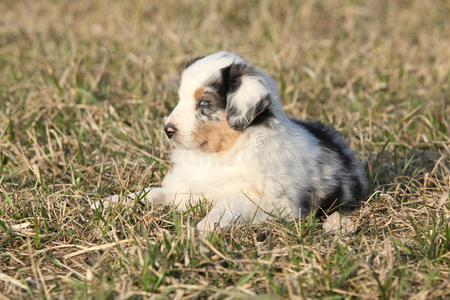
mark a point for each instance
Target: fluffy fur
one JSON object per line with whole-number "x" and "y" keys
{"x": 235, "y": 147}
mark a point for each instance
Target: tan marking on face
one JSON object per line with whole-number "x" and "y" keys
{"x": 198, "y": 93}
{"x": 216, "y": 136}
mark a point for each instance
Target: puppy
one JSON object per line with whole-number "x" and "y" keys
{"x": 236, "y": 148}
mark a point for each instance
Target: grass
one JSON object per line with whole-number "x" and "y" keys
{"x": 85, "y": 85}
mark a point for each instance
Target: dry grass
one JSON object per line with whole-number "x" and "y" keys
{"x": 84, "y": 86}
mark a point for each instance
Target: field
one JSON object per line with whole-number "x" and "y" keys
{"x": 85, "y": 86}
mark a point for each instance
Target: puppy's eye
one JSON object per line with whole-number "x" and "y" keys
{"x": 203, "y": 103}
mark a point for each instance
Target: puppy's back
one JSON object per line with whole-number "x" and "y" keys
{"x": 346, "y": 186}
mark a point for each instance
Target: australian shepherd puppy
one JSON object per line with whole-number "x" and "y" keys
{"x": 236, "y": 148}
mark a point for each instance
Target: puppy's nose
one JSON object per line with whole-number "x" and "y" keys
{"x": 170, "y": 130}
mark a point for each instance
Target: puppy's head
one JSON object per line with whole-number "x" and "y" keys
{"x": 220, "y": 95}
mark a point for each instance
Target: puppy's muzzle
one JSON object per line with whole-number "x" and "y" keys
{"x": 170, "y": 130}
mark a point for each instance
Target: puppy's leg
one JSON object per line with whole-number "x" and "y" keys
{"x": 149, "y": 194}
{"x": 228, "y": 212}
{"x": 247, "y": 207}
{"x": 179, "y": 197}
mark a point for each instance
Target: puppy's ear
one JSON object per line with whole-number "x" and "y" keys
{"x": 246, "y": 93}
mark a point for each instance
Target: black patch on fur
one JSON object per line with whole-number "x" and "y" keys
{"x": 228, "y": 83}
{"x": 357, "y": 188}
{"x": 332, "y": 201}
{"x": 233, "y": 74}
{"x": 327, "y": 137}
{"x": 190, "y": 62}
{"x": 262, "y": 118}
{"x": 219, "y": 87}
{"x": 306, "y": 201}
{"x": 230, "y": 80}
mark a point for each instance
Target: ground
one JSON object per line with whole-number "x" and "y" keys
{"x": 85, "y": 86}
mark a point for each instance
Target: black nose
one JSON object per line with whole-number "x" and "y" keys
{"x": 170, "y": 130}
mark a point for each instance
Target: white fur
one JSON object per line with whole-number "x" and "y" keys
{"x": 268, "y": 171}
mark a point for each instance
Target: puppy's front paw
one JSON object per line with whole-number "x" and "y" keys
{"x": 108, "y": 201}
{"x": 205, "y": 227}
{"x": 154, "y": 195}
{"x": 216, "y": 220}
{"x": 146, "y": 194}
